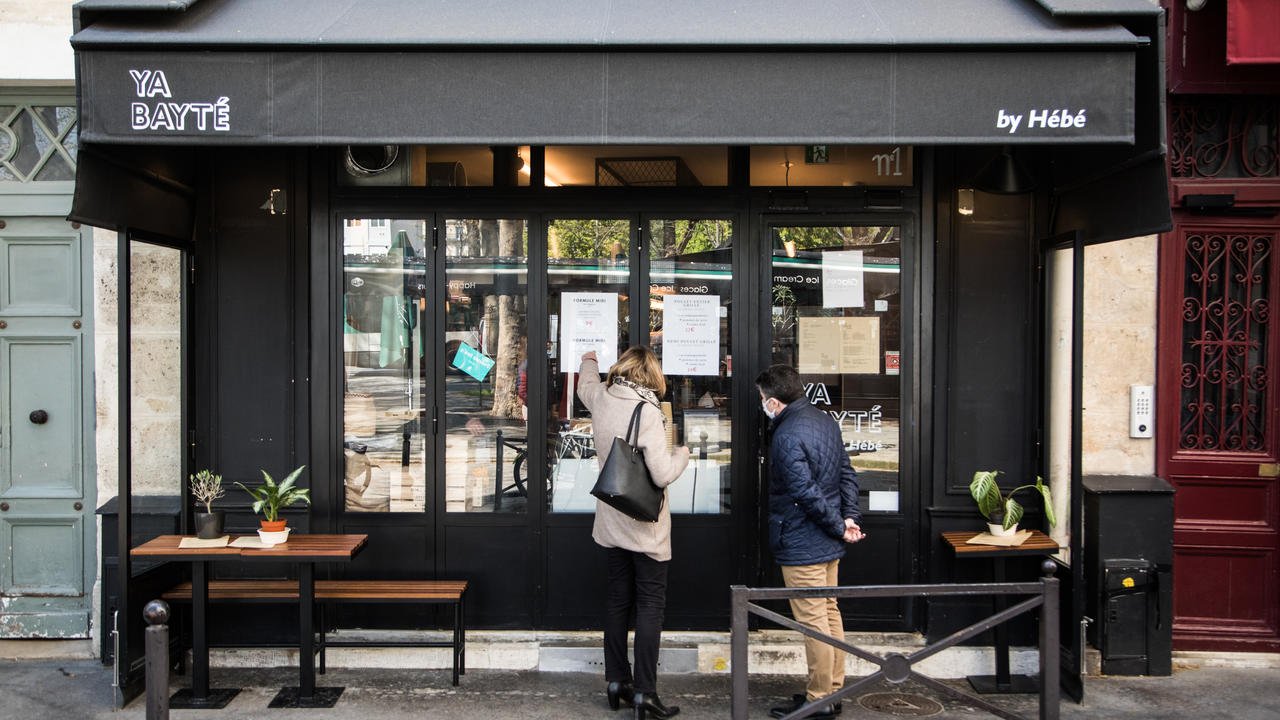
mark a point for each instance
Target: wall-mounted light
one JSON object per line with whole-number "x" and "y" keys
{"x": 1004, "y": 175}
{"x": 277, "y": 202}
{"x": 964, "y": 201}
{"x": 1194, "y": 5}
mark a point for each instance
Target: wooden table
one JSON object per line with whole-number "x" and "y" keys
{"x": 1038, "y": 544}
{"x": 304, "y": 550}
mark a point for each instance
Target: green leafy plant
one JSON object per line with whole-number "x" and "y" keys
{"x": 1000, "y": 508}
{"x": 205, "y": 488}
{"x": 270, "y": 496}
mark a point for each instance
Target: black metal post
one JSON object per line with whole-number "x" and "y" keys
{"x": 156, "y": 614}
{"x": 738, "y": 651}
{"x": 497, "y": 475}
{"x": 1050, "y": 642}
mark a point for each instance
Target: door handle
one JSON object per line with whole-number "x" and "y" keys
{"x": 39, "y": 417}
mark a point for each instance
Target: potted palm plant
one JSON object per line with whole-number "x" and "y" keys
{"x": 205, "y": 488}
{"x": 1000, "y": 509}
{"x": 270, "y": 497}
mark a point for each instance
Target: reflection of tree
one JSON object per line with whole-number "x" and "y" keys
{"x": 588, "y": 239}
{"x": 825, "y": 238}
{"x": 503, "y": 305}
{"x": 673, "y": 238}
{"x": 511, "y": 313}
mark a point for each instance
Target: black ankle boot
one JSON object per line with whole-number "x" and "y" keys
{"x": 618, "y": 693}
{"x": 648, "y": 705}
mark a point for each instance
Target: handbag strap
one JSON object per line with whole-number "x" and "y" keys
{"x": 633, "y": 428}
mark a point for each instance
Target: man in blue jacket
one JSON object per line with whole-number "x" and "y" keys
{"x": 813, "y": 512}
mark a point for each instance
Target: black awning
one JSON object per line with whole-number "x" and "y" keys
{"x": 589, "y": 72}
{"x": 543, "y": 72}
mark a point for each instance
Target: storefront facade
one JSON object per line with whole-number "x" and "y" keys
{"x": 395, "y": 248}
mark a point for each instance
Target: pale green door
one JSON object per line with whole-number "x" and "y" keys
{"x": 47, "y": 549}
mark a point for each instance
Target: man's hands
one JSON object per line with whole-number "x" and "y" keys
{"x": 589, "y": 355}
{"x": 852, "y": 532}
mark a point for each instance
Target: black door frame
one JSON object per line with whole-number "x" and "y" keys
{"x": 908, "y": 521}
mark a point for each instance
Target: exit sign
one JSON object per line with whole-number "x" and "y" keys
{"x": 815, "y": 154}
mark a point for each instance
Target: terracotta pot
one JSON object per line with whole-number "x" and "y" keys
{"x": 272, "y": 525}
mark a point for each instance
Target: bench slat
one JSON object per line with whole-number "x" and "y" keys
{"x": 437, "y": 590}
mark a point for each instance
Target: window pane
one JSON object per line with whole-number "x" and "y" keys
{"x": 637, "y": 165}
{"x": 689, "y": 292}
{"x": 837, "y": 318}
{"x": 429, "y": 166}
{"x": 586, "y": 261}
{"x": 486, "y": 373}
{"x": 831, "y": 165}
{"x": 385, "y": 306}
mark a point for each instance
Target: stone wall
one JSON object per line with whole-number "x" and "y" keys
{"x": 156, "y": 321}
{"x": 34, "y": 43}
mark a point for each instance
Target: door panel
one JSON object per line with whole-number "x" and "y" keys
{"x": 46, "y": 551}
{"x": 1217, "y": 430}
{"x": 40, "y": 276}
{"x": 44, "y": 457}
{"x": 835, "y": 313}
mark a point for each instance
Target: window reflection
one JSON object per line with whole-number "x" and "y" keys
{"x": 836, "y": 316}
{"x": 384, "y": 311}
{"x": 486, "y": 365}
{"x": 586, "y": 261}
{"x": 690, "y": 290}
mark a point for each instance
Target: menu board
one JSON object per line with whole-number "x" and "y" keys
{"x": 831, "y": 345}
{"x": 691, "y": 335}
{"x": 842, "y": 280}
{"x": 588, "y": 321}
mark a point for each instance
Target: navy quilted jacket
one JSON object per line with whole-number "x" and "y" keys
{"x": 812, "y": 487}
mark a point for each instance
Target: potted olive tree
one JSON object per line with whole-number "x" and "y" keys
{"x": 205, "y": 488}
{"x": 1000, "y": 509}
{"x": 270, "y": 497}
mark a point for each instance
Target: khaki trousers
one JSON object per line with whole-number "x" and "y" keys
{"x": 826, "y": 664}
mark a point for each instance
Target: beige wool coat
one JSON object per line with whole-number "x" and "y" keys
{"x": 611, "y": 408}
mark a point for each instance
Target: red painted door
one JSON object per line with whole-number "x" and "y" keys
{"x": 1217, "y": 424}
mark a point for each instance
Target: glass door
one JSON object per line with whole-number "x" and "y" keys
{"x": 836, "y": 313}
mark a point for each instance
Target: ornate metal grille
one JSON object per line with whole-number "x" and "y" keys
{"x": 37, "y": 142}
{"x": 1224, "y": 136}
{"x": 1225, "y": 315}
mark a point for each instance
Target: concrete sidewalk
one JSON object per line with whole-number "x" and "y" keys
{"x": 82, "y": 689}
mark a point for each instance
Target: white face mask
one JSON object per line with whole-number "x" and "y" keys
{"x": 764, "y": 404}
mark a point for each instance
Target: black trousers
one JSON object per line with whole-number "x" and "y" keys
{"x": 637, "y": 583}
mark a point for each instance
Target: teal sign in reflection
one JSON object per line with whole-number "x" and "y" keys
{"x": 472, "y": 362}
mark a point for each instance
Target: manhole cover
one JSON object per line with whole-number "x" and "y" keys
{"x": 900, "y": 704}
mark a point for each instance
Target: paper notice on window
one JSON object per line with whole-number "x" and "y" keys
{"x": 839, "y": 345}
{"x": 842, "y": 279}
{"x": 691, "y": 335}
{"x": 588, "y": 321}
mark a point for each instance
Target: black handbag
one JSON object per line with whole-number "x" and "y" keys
{"x": 624, "y": 483}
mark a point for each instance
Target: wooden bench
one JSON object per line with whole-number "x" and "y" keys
{"x": 432, "y": 592}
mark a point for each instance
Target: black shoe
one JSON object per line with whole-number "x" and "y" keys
{"x": 797, "y": 702}
{"x": 618, "y": 693}
{"x": 648, "y": 705}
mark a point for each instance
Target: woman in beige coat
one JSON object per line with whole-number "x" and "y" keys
{"x": 638, "y": 551}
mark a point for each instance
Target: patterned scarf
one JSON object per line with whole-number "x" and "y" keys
{"x": 647, "y": 394}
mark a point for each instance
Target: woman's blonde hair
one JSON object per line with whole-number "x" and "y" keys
{"x": 640, "y": 366}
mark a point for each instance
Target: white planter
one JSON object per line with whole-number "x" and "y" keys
{"x": 998, "y": 530}
{"x": 271, "y": 539}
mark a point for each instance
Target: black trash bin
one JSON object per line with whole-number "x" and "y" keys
{"x": 1128, "y": 548}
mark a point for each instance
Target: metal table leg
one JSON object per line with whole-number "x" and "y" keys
{"x": 1002, "y": 682}
{"x": 199, "y": 695}
{"x": 306, "y": 695}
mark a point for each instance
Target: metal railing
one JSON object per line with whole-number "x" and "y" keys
{"x": 896, "y": 668}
